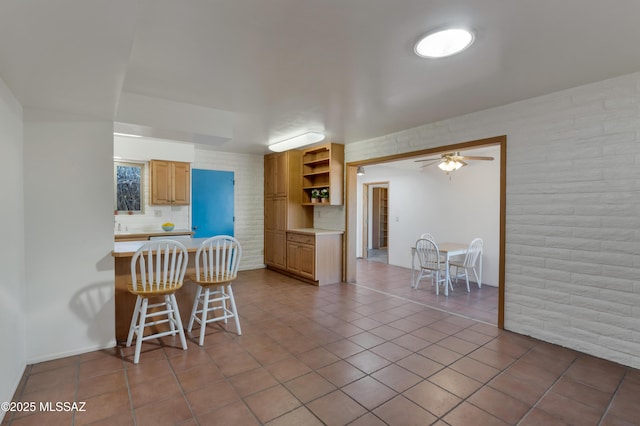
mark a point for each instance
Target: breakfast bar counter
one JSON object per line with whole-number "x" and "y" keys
{"x": 138, "y": 235}
{"x": 125, "y": 301}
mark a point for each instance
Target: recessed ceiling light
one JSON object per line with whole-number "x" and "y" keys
{"x": 444, "y": 43}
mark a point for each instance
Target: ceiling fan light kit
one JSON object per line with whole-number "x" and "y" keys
{"x": 450, "y": 165}
{"x": 452, "y": 161}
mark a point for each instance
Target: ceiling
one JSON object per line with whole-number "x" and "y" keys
{"x": 238, "y": 74}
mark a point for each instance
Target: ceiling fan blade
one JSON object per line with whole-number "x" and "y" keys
{"x": 431, "y": 162}
{"x": 475, "y": 157}
{"x": 427, "y": 159}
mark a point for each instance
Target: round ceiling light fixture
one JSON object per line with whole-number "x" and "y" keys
{"x": 440, "y": 44}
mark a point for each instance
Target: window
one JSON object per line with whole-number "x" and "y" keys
{"x": 129, "y": 187}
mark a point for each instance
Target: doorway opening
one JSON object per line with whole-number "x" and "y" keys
{"x": 375, "y": 221}
{"x": 352, "y": 227}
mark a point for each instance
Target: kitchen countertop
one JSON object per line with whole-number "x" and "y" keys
{"x": 142, "y": 234}
{"x": 128, "y": 248}
{"x": 316, "y": 231}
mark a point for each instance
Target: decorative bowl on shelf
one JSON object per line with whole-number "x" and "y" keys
{"x": 168, "y": 226}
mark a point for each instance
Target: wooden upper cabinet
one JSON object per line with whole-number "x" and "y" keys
{"x": 170, "y": 182}
{"x": 181, "y": 183}
{"x": 276, "y": 175}
{"x": 282, "y": 175}
{"x": 270, "y": 175}
{"x": 323, "y": 168}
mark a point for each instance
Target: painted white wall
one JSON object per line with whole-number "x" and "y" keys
{"x": 68, "y": 192}
{"x": 12, "y": 278}
{"x": 572, "y": 241}
{"x": 456, "y": 207}
{"x": 141, "y": 150}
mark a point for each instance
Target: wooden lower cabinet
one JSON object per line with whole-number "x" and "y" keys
{"x": 315, "y": 256}
{"x": 301, "y": 256}
{"x": 275, "y": 246}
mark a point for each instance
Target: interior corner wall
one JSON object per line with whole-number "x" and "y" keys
{"x": 573, "y": 175}
{"x": 68, "y": 187}
{"x": 12, "y": 280}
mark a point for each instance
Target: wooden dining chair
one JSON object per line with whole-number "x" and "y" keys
{"x": 471, "y": 261}
{"x": 217, "y": 261}
{"x": 427, "y": 236}
{"x": 157, "y": 272}
{"x": 431, "y": 264}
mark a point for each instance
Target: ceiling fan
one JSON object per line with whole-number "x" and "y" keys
{"x": 451, "y": 161}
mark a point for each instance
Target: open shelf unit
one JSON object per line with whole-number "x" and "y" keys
{"x": 323, "y": 167}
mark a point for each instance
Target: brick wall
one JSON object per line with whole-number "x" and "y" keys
{"x": 249, "y": 199}
{"x": 573, "y": 211}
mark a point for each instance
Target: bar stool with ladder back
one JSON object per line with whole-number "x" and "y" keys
{"x": 217, "y": 261}
{"x": 157, "y": 272}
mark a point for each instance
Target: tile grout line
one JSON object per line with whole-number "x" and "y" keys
{"x": 535, "y": 404}
{"x": 77, "y": 386}
{"x": 126, "y": 380}
{"x": 613, "y": 397}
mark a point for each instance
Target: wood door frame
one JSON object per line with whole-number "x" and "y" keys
{"x": 365, "y": 220}
{"x": 351, "y": 205}
{"x": 365, "y": 213}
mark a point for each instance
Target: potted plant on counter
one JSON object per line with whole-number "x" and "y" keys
{"x": 315, "y": 195}
{"x": 324, "y": 195}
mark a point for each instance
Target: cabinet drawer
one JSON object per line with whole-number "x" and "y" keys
{"x": 301, "y": 238}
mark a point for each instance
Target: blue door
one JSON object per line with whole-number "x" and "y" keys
{"x": 212, "y": 208}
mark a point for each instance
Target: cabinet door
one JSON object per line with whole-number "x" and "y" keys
{"x": 282, "y": 175}
{"x": 275, "y": 214}
{"x": 160, "y": 182}
{"x": 280, "y": 214}
{"x": 269, "y": 214}
{"x": 269, "y": 247}
{"x": 279, "y": 249}
{"x": 274, "y": 249}
{"x": 181, "y": 185}
{"x": 307, "y": 261}
{"x": 170, "y": 182}
{"x": 270, "y": 175}
{"x": 293, "y": 261}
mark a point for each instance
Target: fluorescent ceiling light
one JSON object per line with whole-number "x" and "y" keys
{"x": 297, "y": 141}
{"x": 444, "y": 43}
{"x": 129, "y": 135}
